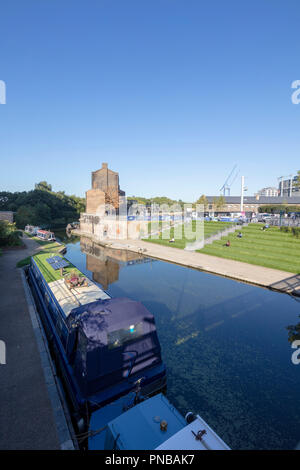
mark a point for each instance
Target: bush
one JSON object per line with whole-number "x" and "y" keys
{"x": 296, "y": 231}
{"x": 9, "y": 236}
{"x": 285, "y": 228}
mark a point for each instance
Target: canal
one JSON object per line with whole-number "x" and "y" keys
{"x": 225, "y": 344}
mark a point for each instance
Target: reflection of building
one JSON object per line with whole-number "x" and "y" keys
{"x": 105, "y": 263}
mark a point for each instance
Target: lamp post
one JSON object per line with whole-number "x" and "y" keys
{"x": 242, "y": 192}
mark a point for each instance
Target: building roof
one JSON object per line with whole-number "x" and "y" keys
{"x": 105, "y": 168}
{"x": 254, "y": 200}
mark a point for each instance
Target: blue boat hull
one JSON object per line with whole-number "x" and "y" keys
{"x": 154, "y": 378}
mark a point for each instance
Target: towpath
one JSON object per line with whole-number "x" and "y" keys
{"x": 26, "y": 417}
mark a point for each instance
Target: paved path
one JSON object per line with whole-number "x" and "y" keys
{"x": 26, "y": 416}
{"x": 281, "y": 281}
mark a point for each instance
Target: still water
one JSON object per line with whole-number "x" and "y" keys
{"x": 225, "y": 344}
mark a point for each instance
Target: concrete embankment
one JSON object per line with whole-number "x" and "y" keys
{"x": 274, "y": 279}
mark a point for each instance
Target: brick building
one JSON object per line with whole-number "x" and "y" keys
{"x": 105, "y": 190}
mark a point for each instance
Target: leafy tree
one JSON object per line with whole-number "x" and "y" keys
{"x": 42, "y": 207}
{"x": 44, "y": 186}
{"x": 219, "y": 202}
{"x": 9, "y": 236}
{"x": 26, "y": 215}
{"x": 298, "y": 179}
{"x": 203, "y": 200}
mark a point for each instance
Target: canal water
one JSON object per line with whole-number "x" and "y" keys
{"x": 225, "y": 344}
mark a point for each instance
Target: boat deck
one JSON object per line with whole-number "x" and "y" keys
{"x": 69, "y": 299}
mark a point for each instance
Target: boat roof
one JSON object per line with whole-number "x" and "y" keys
{"x": 107, "y": 315}
{"x": 139, "y": 427}
{"x": 70, "y": 299}
{"x": 44, "y": 231}
{"x": 185, "y": 439}
{"x": 67, "y": 299}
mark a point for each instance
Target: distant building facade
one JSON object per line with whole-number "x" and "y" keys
{"x": 270, "y": 191}
{"x": 251, "y": 204}
{"x": 288, "y": 187}
{"x": 106, "y": 210}
{"x": 7, "y": 215}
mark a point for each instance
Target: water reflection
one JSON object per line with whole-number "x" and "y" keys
{"x": 225, "y": 344}
{"x": 105, "y": 263}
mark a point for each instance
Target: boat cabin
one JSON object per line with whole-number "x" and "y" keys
{"x": 152, "y": 424}
{"x": 45, "y": 235}
{"x": 31, "y": 229}
{"x": 111, "y": 341}
{"x": 103, "y": 345}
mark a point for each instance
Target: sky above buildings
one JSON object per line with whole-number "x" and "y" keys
{"x": 171, "y": 93}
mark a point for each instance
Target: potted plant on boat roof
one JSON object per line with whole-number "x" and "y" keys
{"x": 75, "y": 279}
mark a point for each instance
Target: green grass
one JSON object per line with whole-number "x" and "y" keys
{"x": 209, "y": 229}
{"x": 23, "y": 262}
{"x": 48, "y": 272}
{"x": 42, "y": 242}
{"x": 271, "y": 248}
{"x": 49, "y": 249}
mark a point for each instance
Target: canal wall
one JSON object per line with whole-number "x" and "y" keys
{"x": 274, "y": 279}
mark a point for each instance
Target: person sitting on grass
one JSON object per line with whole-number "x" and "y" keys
{"x": 227, "y": 243}
{"x": 172, "y": 240}
{"x": 239, "y": 235}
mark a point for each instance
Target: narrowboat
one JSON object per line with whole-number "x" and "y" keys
{"x": 45, "y": 235}
{"x": 150, "y": 424}
{"x": 102, "y": 346}
{"x": 31, "y": 229}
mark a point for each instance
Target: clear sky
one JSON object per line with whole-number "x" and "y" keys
{"x": 171, "y": 93}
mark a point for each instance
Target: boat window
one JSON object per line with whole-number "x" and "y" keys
{"x": 119, "y": 337}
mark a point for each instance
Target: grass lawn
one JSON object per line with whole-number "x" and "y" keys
{"x": 48, "y": 272}
{"x": 209, "y": 229}
{"x": 271, "y": 248}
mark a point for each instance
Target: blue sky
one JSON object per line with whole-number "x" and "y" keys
{"x": 171, "y": 93}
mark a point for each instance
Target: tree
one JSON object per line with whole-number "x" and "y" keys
{"x": 298, "y": 179}
{"x": 26, "y": 215}
{"x": 203, "y": 200}
{"x": 42, "y": 207}
{"x": 221, "y": 202}
{"x": 43, "y": 185}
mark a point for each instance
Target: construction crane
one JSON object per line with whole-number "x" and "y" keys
{"x": 229, "y": 181}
